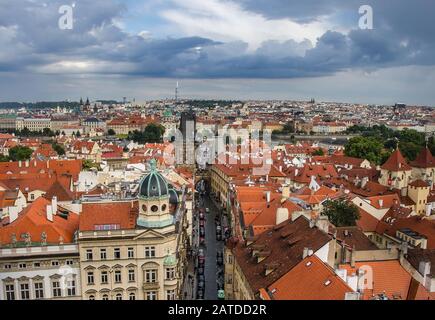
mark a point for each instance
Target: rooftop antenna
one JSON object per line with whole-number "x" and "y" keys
{"x": 176, "y": 92}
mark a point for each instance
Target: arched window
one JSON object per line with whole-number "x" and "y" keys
{"x": 154, "y": 208}
{"x": 105, "y": 297}
{"x": 164, "y": 207}
{"x": 144, "y": 208}
{"x": 91, "y": 297}
{"x": 118, "y": 296}
{"x": 132, "y": 296}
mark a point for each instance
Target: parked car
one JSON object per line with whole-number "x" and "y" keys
{"x": 201, "y": 240}
{"x": 201, "y": 278}
{"x": 221, "y": 294}
{"x": 201, "y": 223}
{"x": 202, "y": 231}
{"x": 201, "y": 259}
{"x": 219, "y": 258}
{"x": 200, "y": 294}
{"x": 218, "y": 236}
{"x": 201, "y": 252}
{"x": 200, "y": 270}
{"x": 201, "y": 216}
{"x": 201, "y": 285}
{"x": 207, "y": 210}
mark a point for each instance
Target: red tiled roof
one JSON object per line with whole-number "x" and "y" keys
{"x": 59, "y": 191}
{"x": 354, "y": 237}
{"x": 396, "y": 162}
{"x": 387, "y": 277}
{"x": 283, "y": 246}
{"x": 123, "y": 214}
{"x": 419, "y": 184}
{"x": 417, "y": 224}
{"x": 310, "y": 279}
{"x": 11, "y": 170}
{"x": 384, "y": 201}
{"x": 345, "y": 160}
{"x": 33, "y": 219}
{"x": 323, "y": 171}
{"x": 424, "y": 159}
{"x": 366, "y": 222}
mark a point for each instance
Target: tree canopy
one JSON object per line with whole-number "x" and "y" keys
{"x": 153, "y": 133}
{"x": 20, "y": 153}
{"x": 341, "y": 213}
{"x": 60, "y": 150}
{"x": 368, "y": 148}
{"x": 318, "y": 152}
{"x": 377, "y": 142}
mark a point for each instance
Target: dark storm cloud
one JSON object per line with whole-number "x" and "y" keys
{"x": 31, "y": 39}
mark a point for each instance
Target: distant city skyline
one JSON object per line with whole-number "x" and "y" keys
{"x": 247, "y": 50}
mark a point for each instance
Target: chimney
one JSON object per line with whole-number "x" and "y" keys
{"x": 268, "y": 197}
{"x": 364, "y": 182}
{"x": 381, "y": 203}
{"x": 13, "y": 214}
{"x": 428, "y": 210}
{"x": 19, "y": 163}
{"x": 424, "y": 269}
{"x": 54, "y": 205}
{"x": 285, "y": 191}
{"x": 307, "y": 253}
{"x": 49, "y": 213}
{"x": 312, "y": 223}
{"x": 282, "y": 215}
{"x": 404, "y": 192}
{"x": 27, "y": 163}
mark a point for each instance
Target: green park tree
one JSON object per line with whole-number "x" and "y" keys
{"x": 341, "y": 213}
{"x": 20, "y": 153}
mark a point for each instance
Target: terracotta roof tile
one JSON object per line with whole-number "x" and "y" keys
{"x": 388, "y": 277}
{"x": 396, "y": 162}
{"x": 310, "y": 279}
{"x": 284, "y": 246}
{"x": 33, "y": 219}
{"x": 424, "y": 159}
{"x": 123, "y": 214}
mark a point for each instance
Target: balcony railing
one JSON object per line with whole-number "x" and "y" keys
{"x": 151, "y": 285}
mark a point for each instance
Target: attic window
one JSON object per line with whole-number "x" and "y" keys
{"x": 309, "y": 263}
{"x": 327, "y": 283}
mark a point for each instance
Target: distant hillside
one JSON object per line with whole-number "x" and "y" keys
{"x": 38, "y": 105}
{"x": 210, "y": 103}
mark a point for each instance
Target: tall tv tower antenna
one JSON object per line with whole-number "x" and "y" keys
{"x": 176, "y": 92}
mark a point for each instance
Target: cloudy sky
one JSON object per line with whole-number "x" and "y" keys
{"x": 238, "y": 49}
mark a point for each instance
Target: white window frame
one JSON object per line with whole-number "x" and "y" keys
{"x": 150, "y": 252}
{"x": 39, "y": 290}
{"x": 56, "y": 288}
{"x": 25, "y": 291}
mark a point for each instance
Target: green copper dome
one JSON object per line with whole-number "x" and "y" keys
{"x": 153, "y": 185}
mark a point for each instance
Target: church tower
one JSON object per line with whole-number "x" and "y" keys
{"x": 154, "y": 200}
{"x": 395, "y": 172}
{"x": 423, "y": 167}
